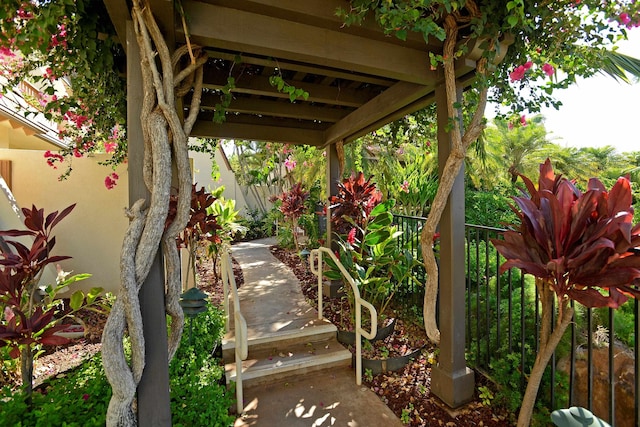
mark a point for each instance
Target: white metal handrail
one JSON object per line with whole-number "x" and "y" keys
{"x": 359, "y": 303}
{"x": 240, "y": 324}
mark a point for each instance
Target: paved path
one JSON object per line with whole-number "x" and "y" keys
{"x": 271, "y": 300}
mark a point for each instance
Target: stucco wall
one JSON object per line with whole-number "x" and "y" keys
{"x": 202, "y": 177}
{"x": 92, "y": 234}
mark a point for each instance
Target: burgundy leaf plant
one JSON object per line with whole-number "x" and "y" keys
{"x": 579, "y": 246}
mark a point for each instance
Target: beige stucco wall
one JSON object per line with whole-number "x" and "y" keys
{"x": 202, "y": 177}
{"x": 92, "y": 234}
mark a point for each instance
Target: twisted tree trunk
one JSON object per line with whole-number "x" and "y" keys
{"x": 165, "y": 143}
{"x": 460, "y": 144}
{"x": 549, "y": 339}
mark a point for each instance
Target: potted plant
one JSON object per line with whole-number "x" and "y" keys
{"x": 579, "y": 246}
{"x": 367, "y": 243}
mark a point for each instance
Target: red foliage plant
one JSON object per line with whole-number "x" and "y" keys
{"x": 356, "y": 199}
{"x": 579, "y": 246}
{"x": 292, "y": 206}
{"x": 28, "y": 323}
{"x": 202, "y": 222}
{"x": 582, "y": 244}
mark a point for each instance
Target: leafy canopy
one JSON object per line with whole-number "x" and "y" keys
{"x": 551, "y": 43}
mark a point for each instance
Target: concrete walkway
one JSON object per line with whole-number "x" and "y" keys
{"x": 271, "y": 300}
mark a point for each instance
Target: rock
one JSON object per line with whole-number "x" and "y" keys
{"x": 623, "y": 367}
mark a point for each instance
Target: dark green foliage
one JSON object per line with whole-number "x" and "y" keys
{"x": 198, "y": 394}
{"x": 258, "y": 226}
{"x": 80, "y": 397}
{"x": 488, "y": 208}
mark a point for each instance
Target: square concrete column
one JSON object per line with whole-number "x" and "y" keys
{"x": 452, "y": 381}
{"x": 333, "y": 176}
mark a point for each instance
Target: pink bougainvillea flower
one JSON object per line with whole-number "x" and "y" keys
{"x": 111, "y": 181}
{"x": 527, "y": 65}
{"x": 110, "y": 146}
{"x": 290, "y": 164}
{"x": 624, "y": 18}
{"x": 351, "y": 237}
{"x": 77, "y": 153}
{"x": 548, "y": 69}
{"x": 405, "y": 186}
{"x": 517, "y": 73}
{"x": 52, "y": 158}
{"x": 523, "y": 120}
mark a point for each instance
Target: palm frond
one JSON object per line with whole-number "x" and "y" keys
{"x": 619, "y": 66}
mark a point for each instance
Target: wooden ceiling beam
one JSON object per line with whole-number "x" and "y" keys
{"x": 370, "y": 117}
{"x": 283, "y": 108}
{"x": 242, "y": 31}
{"x": 287, "y": 65}
{"x": 259, "y": 85}
{"x": 392, "y": 99}
{"x": 322, "y": 13}
{"x": 208, "y": 129}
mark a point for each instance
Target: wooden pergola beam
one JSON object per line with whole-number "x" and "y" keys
{"x": 208, "y": 129}
{"x": 259, "y": 85}
{"x": 237, "y": 30}
{"x": 283, "y": 108}
{"x": 392, "y": 99}
{"x": 303, "y": 68}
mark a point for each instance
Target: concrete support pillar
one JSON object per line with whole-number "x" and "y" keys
{"x": 452, "y": 381}
{"x": 333, "y": 176}
{"x": 153, "y": 391}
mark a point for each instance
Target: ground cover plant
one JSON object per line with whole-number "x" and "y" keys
{"x": 79, "y": 398}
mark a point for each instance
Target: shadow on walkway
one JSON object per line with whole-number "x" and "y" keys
{"x": 272, "y": 302}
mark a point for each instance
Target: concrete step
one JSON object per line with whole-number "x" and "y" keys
{"x": 269, "y": 364}
{"x": 276, "y": 338}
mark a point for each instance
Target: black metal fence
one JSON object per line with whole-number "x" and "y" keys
{"x": 595, "y": 363}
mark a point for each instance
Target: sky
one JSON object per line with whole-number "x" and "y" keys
{"x": 599, "y": 111}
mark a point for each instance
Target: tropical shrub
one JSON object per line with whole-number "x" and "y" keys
{"x": 353, "y": 203}
{"x": 79, "y": 398}
{"x": 292, "y": 206}
{"x": 33, "y": 313}
{"x": 230, "y": 228}
{"x": 371, "y": 253}
{"x": 579, "y": 246}
{"x": 202, "y": 224}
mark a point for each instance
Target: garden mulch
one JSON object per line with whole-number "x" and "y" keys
{"x": 406, "y": 392}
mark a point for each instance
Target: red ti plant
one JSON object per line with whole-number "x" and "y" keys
{"x": 579, "y": 246}
{"x": 202, "y": 224}
{"x": 292, "y": 207}
{"x": 356, "y": 199}
{"x": 31, "y": 319}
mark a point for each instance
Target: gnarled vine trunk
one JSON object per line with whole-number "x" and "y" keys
{"x": 460, "y": 144}
{"x": 165, "y": 143}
